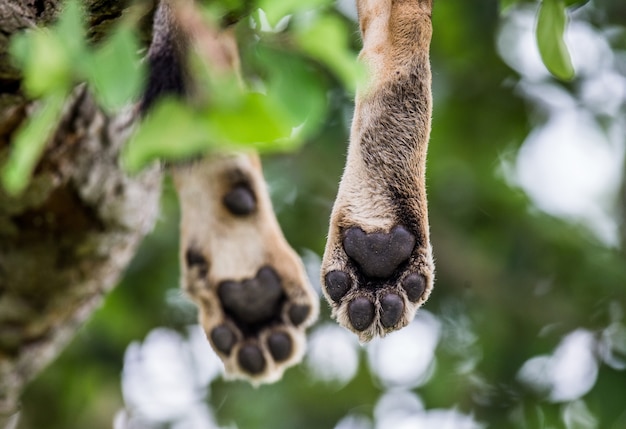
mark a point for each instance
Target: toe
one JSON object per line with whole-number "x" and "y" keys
{"x": 361, "y": 313}
{"x": 298, "y": 313}
{"x": 280, "y": 346}
{"x": 251, "y": 359}
{"x": 194, "y": 258}
{"x": 223, "y": 339}
{"x": 414, "y": 285}
{"x": 338, "y": 283}
{"x": 392, "y": 308}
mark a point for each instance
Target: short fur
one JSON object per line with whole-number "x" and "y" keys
{"x": 235, "y": 248}
{"x": 216, "y": 244}
{"x": 383, "y": 187}
{"x": 384, "y": 181}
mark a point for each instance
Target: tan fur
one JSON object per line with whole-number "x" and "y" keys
{"x": 388, "y": 144}
{"x": 383, "y": 186}
{"x": 233, "y": 247}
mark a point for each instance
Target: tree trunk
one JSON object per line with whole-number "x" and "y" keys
{"x": 66, "y": 240}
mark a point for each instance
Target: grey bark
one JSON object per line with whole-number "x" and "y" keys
{"x": 65, "y": 241}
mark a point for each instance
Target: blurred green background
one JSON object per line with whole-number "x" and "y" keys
{"x": 525, "y": 327}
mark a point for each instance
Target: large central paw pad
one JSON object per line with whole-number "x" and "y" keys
{"x": 379, "y": 254}
{"x": 254, "y": 300}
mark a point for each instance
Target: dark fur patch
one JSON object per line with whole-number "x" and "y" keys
{"x": 165, "y": 76}
{"x": 395, "y": 133}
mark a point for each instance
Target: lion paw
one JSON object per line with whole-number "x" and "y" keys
{"x": 251, "y": 289}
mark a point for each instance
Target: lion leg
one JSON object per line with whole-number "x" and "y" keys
{"x": 378, "y": 268}
{"x": 251, "y": 289}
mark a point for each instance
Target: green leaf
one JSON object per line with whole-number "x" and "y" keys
{"x": 276, "y": 10}
{"x": 115, "y": 70}
{"x": 37, "y": 51}
{"x": 256, "y": 119}
{"x": 506, "y": 4}
{"x": 551, "y": 23}
{"x": 326, "y": 40}
{"x": 29, "y": 143}
{"x": 71, "y": 31}
{"x": 49, "y": 58}
{"x": 175, "y": 131}
{"x": 575, "y": 3}
{"x": 171, "y": 131}
{"x": 296, "y": 87}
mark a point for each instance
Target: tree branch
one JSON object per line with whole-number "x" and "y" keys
{"x": 65, "y": 242}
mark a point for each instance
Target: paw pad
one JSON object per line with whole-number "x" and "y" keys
{"x": 361, "y": 313}
{"x": 253, "y": 300}
{"x": 379, "y": 283}
{"x": 280, "y": 346}
{"x": 240, "y": 200}
{"x": 379, "y": 254}
{"x": 392, "y": 308}
{"x": 338, "y": 284}
{"x": 223, "y": 339}
{"x": 251, "y": 288}
{"x": 414, "y": 285}
{"x": 251, "y": 359}
{"x": 299, "y": 313}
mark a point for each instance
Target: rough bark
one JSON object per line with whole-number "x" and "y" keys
{"x": 66, "y": 240}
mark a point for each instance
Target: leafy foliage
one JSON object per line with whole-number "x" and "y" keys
{"x": 277, "y": 120}
{"x": 512, "y": 281}
{"x": 53, "y": 61}
{"x": 276, "y": 117}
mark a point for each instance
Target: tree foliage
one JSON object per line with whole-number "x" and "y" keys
{"x": 515, "y": 284}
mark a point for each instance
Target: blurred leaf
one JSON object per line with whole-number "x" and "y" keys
{"x": 326, "y": 40}
{"x": 228, "y": 4}
{"x": 116, "y": 71}
{"x": 40, "y": 50}
{"x": 575, "y": 3}
{"x": 71, "y": 32}
{"x": 255, "y": 119}
{"x": 295, "y": 85}
{"x": 505, "y": 4}
{"x": 276, "y": 10}
{"x": 30, "y": 142}
{"x": 50, "y": 58}
{"x": 171, "y": 131}
{"x": 175, "y": 131}
{"x": 551, "y": 23}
